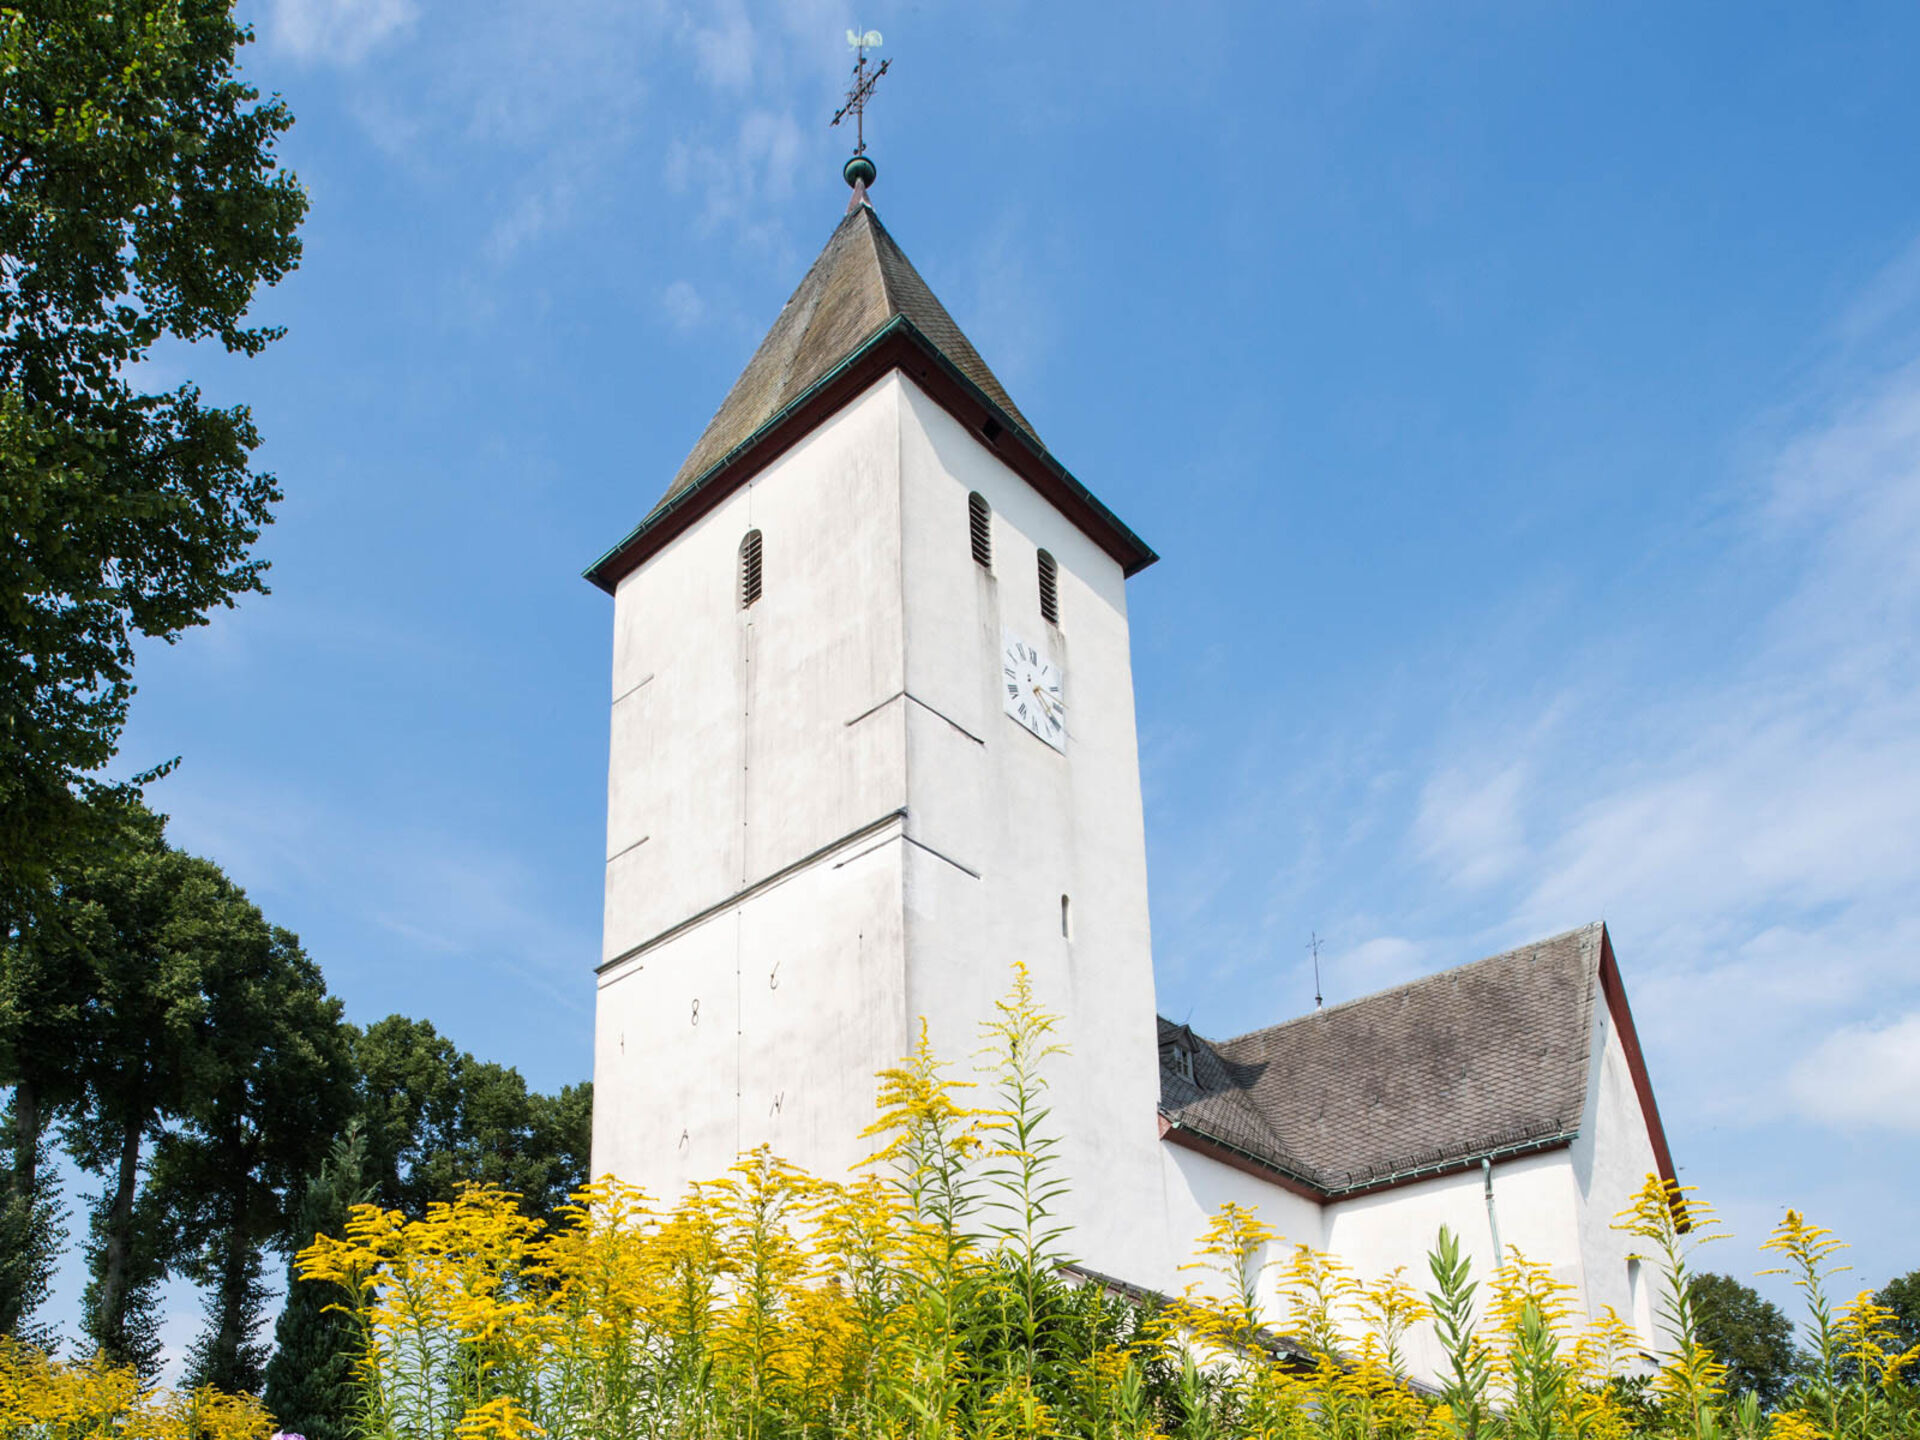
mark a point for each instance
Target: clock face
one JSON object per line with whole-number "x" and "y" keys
{"x": 1030, "y": 689}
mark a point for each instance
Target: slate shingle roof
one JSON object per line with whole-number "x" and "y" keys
{"x": 1473, "y": 1060}
{"x": 861, "y": 281}
{"x": 860, "y": 312}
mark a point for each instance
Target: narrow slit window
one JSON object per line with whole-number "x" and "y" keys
{"x": 980, "y": 527}
{"x": 1049, "y": 589}
{"x": 750, "y": 569}
{"x": 1066, "y": 918}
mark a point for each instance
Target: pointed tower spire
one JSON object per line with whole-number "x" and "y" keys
{"x": 861, "y": 311}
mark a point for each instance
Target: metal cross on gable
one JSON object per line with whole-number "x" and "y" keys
{"x": 863, "y": 83}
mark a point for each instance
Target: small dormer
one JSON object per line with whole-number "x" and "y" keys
{"x": 1177, "y": 1046}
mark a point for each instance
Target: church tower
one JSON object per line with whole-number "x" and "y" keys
{"x": 872, "y": 742}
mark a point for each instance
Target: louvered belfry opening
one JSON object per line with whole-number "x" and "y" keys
{"x": 980, "y": 524}
{"x": 1049, "y": 589}
{"x": 749, "y": 569}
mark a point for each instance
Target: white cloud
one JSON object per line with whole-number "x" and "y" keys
{"x": 1864, "y": 1077}
{"x": 342, "y": 32}
{"x": 1376, "y": 964}
{"x": 683, "y": 305}
{"x": 1470, "y": 825}
{"x": 542, "y": 111}
{"x": 725, "y": 48}
{"x": 529, "y": 217}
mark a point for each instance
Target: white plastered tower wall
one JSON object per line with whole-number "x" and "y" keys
{"x": 751, "y": 980}
{"x": 1031, "y": 823}
{"x": 822, "y": 826}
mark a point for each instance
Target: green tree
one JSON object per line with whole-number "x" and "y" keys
{"x": 408, "y": 1075}
{"x": 140, "y": 201}
{"x": 1748, "y": 1334}
{"x": 134, "y": 929}
{"x": 1902, "y": 1296}
{"x": 562, "y": 1136}
{"x": 436, "y": 1118}
{"x": 211, "y": 1077}
{"x": 43, "y": 998}
{"x": 310, "y": 1380}
{"x": 32, "y": 1234}
{"x": 272, "y": 1088}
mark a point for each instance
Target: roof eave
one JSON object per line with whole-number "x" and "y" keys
{"x": 1200, "y": 1141}
{"x": 867, "y": 362}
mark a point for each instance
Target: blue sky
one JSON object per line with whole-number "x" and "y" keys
{"x": 1525, "y": 400}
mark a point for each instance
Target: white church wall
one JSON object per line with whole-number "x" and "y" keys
{"x": 1035, "y": 824}
{"x": 1535, "y": 1204}
{"x": 1611, "y": 1160}
{"x": 1194, "y": 1188}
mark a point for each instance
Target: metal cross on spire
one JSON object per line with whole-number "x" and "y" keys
{"x": 863, "y": 83}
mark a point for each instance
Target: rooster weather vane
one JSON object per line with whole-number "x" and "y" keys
{"x": 860, "y": 171}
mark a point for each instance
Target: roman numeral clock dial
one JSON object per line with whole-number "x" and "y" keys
{"x": 1031, "y": 691}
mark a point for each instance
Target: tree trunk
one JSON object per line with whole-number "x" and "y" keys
{"x": 26, "y": 1141}
{"x": 225, "y": 1356}
{"x": 109, "y": 1318}
{"x": 230, "y": 1360}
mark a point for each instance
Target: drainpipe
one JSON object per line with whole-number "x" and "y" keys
{"x": 1493, "y": 1219}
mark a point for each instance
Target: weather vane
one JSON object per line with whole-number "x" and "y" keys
{"x": 860, "y": 170}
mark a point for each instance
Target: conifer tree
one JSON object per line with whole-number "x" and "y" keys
{"x": 310, "y": 1383}
{"x": 32, "y": 1234}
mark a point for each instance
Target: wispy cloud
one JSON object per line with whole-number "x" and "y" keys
{"x": 556, "y": 117}
{"x": 683, "y": 305}
{"x": 340, "y": 32}
{"x": 1470, "y": 824}
{"x": 451, "y": 900}
{"x": 1863, "y": 1077}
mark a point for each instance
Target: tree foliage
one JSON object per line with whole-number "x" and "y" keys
{"x": 140, "y": 201}
{"x": 311, "y": 1374}
{"x": 1900, "y": 1297}
{"x": 274, "y": 1088}
{"x": 206, "y": 1074}
{"x": 437, "y": 1118}
{"x": 1749, "y": 1334}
